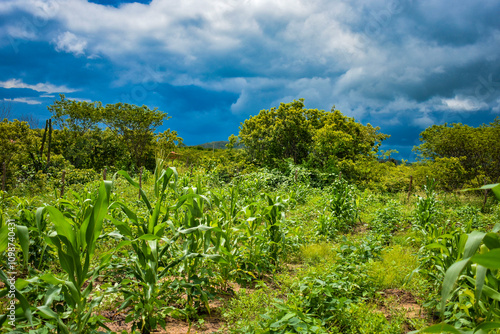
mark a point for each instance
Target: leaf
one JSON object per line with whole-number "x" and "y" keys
{"x": 439, "y": 328}
{"x": 24, "y": 241}
{"x": 450, "y": 278}
{"x": 487, "y": 326}
{"x": 149, "y": 237}
{"x": 51, "y": 279}
{"x": 491, "y": 240}
{"x": 4, "y": 240}
{"x": 493, "y": 294}
{"x": 63, "y": 227}
{"x": 480, "y": 276}
{"x": 473, "y": 242}
{"x": 489, "y": 259}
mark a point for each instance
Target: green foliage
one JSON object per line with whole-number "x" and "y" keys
{"x": 151, "y": 256}
{"x": 394, "y": 267}
{"x": 474, "y": 303}
{"x": 290, "y": 131}
{"x": 316, "y": 253}
{"x": 75, "y": 240}
{"x": 387, "y": 221}
{"x": 17, "y": 142}
{"x": 427, "y": 211}
{"x": 131, "y": 132}
{"x": 477, "y": 149}
{"x": 340, "y": 211}
{"x": 135, "y": 125}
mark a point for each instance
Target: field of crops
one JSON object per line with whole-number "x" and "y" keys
{"x": 265, "y": 252}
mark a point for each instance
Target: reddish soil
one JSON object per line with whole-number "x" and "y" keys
{"x": 402, "y": 300}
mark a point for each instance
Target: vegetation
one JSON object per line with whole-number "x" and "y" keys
{"x": 303, "y": 230}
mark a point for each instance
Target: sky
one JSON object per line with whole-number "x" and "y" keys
{"x": 401, "y": 65}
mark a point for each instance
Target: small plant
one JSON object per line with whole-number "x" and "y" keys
{"x": 340, "y": 211}
{"x": 395, "y": 266}
{"x": 387, "y": 221}
{"x": 315, "y": 253}
{"x": 75, "y": 239}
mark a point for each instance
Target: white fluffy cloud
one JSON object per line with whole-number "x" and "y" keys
{"x": 69, "y": 42}
{"x": 464, "y": 104}
{"x": 39, "y": 87}
{"x": 23, "y": 100}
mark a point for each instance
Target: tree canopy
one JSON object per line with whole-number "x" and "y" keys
{"x": 292, "y": 131}
{"x": 477, "y": 148}
{"x": 81, "y": 130}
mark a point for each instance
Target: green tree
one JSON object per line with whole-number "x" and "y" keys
{"x": 478, "y": 149}
{"x": 280, "y": 133}
{"x": 136, "y": 126}
{"x": 79, "y": 133}
{"x": 167, "y": 140}
{"x": 17, "y": 142}
{"x": 292, "y": 131}
{"x": 341, "y": 138}
{"x": 233, "y": 142}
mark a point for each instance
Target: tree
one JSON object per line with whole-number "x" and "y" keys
{"x": 136, "y": 126}
{"x": 79, "y": 117}
{"x": 341, "y": 137}
{"x": 17, "y": 142}
{"x": 233, "y": 142}
{"x": 477, "y": 148}
{"x": 280, "y": 133}
{"x": 79, "y": 133}
{"x": 292, "y": 131}
{"x": 166, "y": 141}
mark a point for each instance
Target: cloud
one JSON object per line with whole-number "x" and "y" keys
{"x": 69, "y": 42}
{"x": 393, "y": 63}
{"x": 23, "y": 100}
{"x": 39, "y": 87}
{"x": 464, "y": 104}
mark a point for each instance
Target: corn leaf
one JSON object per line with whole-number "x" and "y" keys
{"x": 450, "y": 278}
{"x": 489, "y": 259}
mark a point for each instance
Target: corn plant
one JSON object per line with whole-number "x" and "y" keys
{"x": 340, "y": 210}
{"x": 153, "y": 240}
{"x": 274, "y": 215}
{"x": 9, "y": 232}
{"x": 197, "y": 246}
{"x": 150, "y": 257}
{"x": 476, "y": 273}
{"x": 75, "y": 238}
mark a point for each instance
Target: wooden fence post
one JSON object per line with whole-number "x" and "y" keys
{"x": 409, "y": 188}
{"x": 485, "y": 195}
{"x": 4, "y": 175}
{"x": 49, "y": 141}
{"x": 63, "y": 176}
{"x": 104, "y": 173}
{"x": 140, "y": 182}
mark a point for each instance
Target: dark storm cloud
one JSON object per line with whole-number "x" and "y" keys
{"x": 401, "y": 64}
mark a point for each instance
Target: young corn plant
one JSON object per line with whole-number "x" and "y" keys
{"x": 198, "y": 246}
{"x": 274, "y": 215}
{"x": 150, "y": 256}
{"x": 340, "y": 211}
{"x": 12, "y": 235}
{"x": 152, "y": 245}
{"x": 476, "y": 274}
{"x": 75, "y": 238}
{"x": 427, "y": 211}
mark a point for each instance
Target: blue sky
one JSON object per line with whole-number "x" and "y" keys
{"x": 402, "y": 65}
